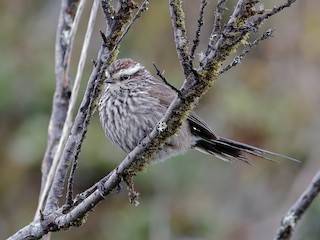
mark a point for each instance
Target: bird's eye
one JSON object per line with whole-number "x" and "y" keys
{"x": 125, "y": 77}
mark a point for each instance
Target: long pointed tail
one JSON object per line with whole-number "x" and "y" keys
{"x": 230, "y": 150}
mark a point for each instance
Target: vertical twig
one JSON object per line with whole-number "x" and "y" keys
{"x": 64, "y": 43}
{"x": 76, "y": 86}
{"x": 180, "y": 35}
{"x": 216, "y": 30}
{"x": 196, "y": 40}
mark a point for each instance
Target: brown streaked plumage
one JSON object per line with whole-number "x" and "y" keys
{"x": 133, "y": 102}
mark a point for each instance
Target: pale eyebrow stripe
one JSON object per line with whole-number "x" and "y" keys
{"x": 128, "y": 71}
{"x": 107, "y": 73}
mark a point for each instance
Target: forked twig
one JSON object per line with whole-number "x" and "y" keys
{"x": 247, "y": 49}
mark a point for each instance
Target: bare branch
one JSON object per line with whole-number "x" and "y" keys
{"x": 69, "y": 37}
{"x": 76, "y": 85}
{"x": 180, "y": 35}
{"x": 274, "y": 11}
{"x": 231, "y": 37}
{"x": 116, "y": 22}
{"x": 165, "y": 80}
{"x": 108, "y": 10}
{"x": 290, "y": 220}
{"x": 247, "y": 49}
{"x": 70, "y": 12}
{"x": 216, "y": 30}
{"x": 142, "y": 8}
{"x": 196, "y": 41}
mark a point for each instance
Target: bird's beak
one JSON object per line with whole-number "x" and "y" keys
{"x": 109, "y": 80}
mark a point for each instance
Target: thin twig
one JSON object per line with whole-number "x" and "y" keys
{"x": 72, "y": 34}
{"x": 274, "y": 11}
{"x": 165, "y": 81}
{"x": 216, "y": 30}
{"x": 290, "y": 220}
{"x": 83, "y": 57}
{"x": 196, "y": 41}
{"x": 247, "y": 49}
{"x": 68, "y": 37}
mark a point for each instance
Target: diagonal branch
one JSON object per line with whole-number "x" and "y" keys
{"x": 274, "y": 11}
{"x": 290, "y": 220}
{"x": 247, "y": 49}
{"x": 202, "y": 78}
{"x": 166, "y": 81}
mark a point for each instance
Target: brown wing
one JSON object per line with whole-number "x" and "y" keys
{"x": 197, "y": 126}
{"x": 163, "y": 93}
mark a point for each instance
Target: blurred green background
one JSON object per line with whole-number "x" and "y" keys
{"x": 271, "y": 101}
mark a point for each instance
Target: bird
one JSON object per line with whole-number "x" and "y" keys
{"x": 132, "y": 104}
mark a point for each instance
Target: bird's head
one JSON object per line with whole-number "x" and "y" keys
{"x": 123, "y": 70}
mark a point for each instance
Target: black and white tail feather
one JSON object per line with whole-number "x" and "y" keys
{"x": 230, "y": 150}
{"x": 224, "y": 148}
